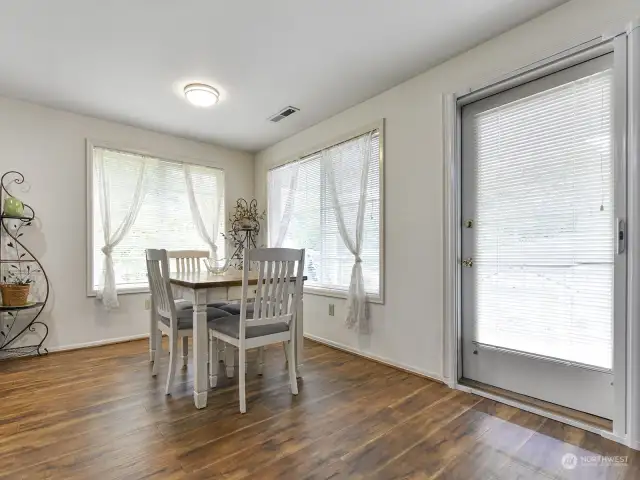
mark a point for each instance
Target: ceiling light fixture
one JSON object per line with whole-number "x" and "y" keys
{"x": 201, "y": 95}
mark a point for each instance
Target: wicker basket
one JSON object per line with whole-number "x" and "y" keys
{"x": 14, "y": 295}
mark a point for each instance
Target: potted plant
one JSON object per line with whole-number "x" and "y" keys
{"x": 16, "y": 285}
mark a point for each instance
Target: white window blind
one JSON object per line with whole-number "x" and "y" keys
{"x": 545, "y": 234}
{"x": 165, "y": 219}
{"x": 299, "y": 205}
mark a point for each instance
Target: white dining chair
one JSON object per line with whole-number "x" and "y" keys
{"x": 274, "y": 314}
{"x": 189, "y": 261}
{"x": 176, "y": 323}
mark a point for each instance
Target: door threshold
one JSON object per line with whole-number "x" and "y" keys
{"x": 576, "y": 415}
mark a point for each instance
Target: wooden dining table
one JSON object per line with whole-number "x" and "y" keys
{"x": 202, "y": 288}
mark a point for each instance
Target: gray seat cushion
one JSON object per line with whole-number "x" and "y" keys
{"x": 185, "y": 317}
{"x": 217, "y": 304}
{"x": 231, "y": 326}
{"x": 182, "y": 304}
{"x": 234, "y": 308}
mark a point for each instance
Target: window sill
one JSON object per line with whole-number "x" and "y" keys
{"x": 123, "y": 291}
{"x": 327, "y": 292}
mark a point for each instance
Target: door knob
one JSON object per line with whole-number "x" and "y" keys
{"x": 467, "y": 262}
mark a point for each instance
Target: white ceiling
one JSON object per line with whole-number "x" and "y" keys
{"x": 127, "y": 60}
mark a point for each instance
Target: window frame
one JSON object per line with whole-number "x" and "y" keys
{"x": 178, "y": 159}
{"x": 379, "y": 126}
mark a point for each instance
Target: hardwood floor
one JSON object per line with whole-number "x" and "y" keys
{"x": 98, "y": 414}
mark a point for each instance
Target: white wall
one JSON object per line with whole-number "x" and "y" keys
{"x": 408, "y": 328}
{"x": 48, "y": 147}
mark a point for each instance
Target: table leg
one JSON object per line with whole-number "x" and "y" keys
{"x": 299, "y": 343}
{"x": 200, "y": 350}
{"x": 153, "y": 330}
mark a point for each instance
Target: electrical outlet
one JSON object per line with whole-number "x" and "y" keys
{"x": 147, "y": 304}
{"x": 332, "y": 309}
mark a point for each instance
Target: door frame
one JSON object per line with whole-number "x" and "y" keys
{"x": 626, "y": 130}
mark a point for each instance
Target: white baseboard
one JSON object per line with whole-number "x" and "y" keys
{"x": 97, "y": 343}
{"x": 375, "y": 358}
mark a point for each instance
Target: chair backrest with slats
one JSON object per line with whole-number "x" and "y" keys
{"x": 279, "y": 289}
{"x": 161, "y": 294}
{"x": 188, "y": 260}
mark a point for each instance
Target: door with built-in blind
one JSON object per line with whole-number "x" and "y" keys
{"x": 542, "y": 239}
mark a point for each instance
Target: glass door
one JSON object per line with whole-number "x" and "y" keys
{"x": 540, "y": 238}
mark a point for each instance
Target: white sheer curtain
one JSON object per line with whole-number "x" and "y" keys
{"x": 284, "y": 186}
{"x": 208, "y": 228}
{"x": 343, "y": 197}
{"x": 113, "y": 230}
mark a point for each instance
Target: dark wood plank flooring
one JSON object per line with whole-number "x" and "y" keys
{"x": 98, "y": 414}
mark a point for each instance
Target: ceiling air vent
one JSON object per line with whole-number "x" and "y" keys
{"x": 284, "y": 114}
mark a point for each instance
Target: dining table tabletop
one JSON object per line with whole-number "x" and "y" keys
{"x": 202, "y": 287}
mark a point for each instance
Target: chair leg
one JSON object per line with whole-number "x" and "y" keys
{"x": 153, "y": 331}
{"x": 260, "y": 360}
{"x": 292, "y": 370}
{"x": 229, "y": 359}
{"x": 157, "y": 354}
{"x": 210, "y": 355}
{"x": 242, "y": 358}
{"x": 185, "y": 352}
{"x": 173, "y": 362}
{"x": 286, "y": 354}
{"x": 213, "y": 362}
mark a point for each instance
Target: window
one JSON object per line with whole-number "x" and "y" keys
{"x": 165, "y": 219}
{"x": 301, "y": 215}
